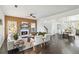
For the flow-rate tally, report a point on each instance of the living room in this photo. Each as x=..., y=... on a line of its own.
x=27, y=27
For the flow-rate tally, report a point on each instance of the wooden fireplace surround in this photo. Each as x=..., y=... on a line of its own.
x=18, y=20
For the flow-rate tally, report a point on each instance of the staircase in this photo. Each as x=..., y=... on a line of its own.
x=3, y=48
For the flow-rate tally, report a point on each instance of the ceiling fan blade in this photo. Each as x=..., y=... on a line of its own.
x=32, y=15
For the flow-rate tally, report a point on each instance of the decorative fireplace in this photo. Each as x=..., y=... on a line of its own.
x=24, y=33
x=24, y=29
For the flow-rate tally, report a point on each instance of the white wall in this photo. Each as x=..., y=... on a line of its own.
x=51, y=25
x=40, y=25
x=1, y=28
x=52, y=21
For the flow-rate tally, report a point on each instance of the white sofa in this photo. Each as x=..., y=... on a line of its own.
x=38, y=40
x=47, y=37
x=10, y=45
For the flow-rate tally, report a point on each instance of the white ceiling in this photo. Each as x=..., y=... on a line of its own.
x=37, y=10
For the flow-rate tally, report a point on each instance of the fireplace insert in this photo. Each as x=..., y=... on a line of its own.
x=24, y=32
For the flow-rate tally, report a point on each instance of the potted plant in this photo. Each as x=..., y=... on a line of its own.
x=15, y=36
x=42, y=33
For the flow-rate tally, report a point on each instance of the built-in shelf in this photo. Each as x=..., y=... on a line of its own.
x=22, y=24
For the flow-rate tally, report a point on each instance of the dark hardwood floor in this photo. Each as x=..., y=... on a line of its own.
x=57, y=45
x=48, y=48
x=51, y=47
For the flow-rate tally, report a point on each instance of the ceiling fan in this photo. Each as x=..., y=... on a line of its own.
x=15, y=6
x=32, y=15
